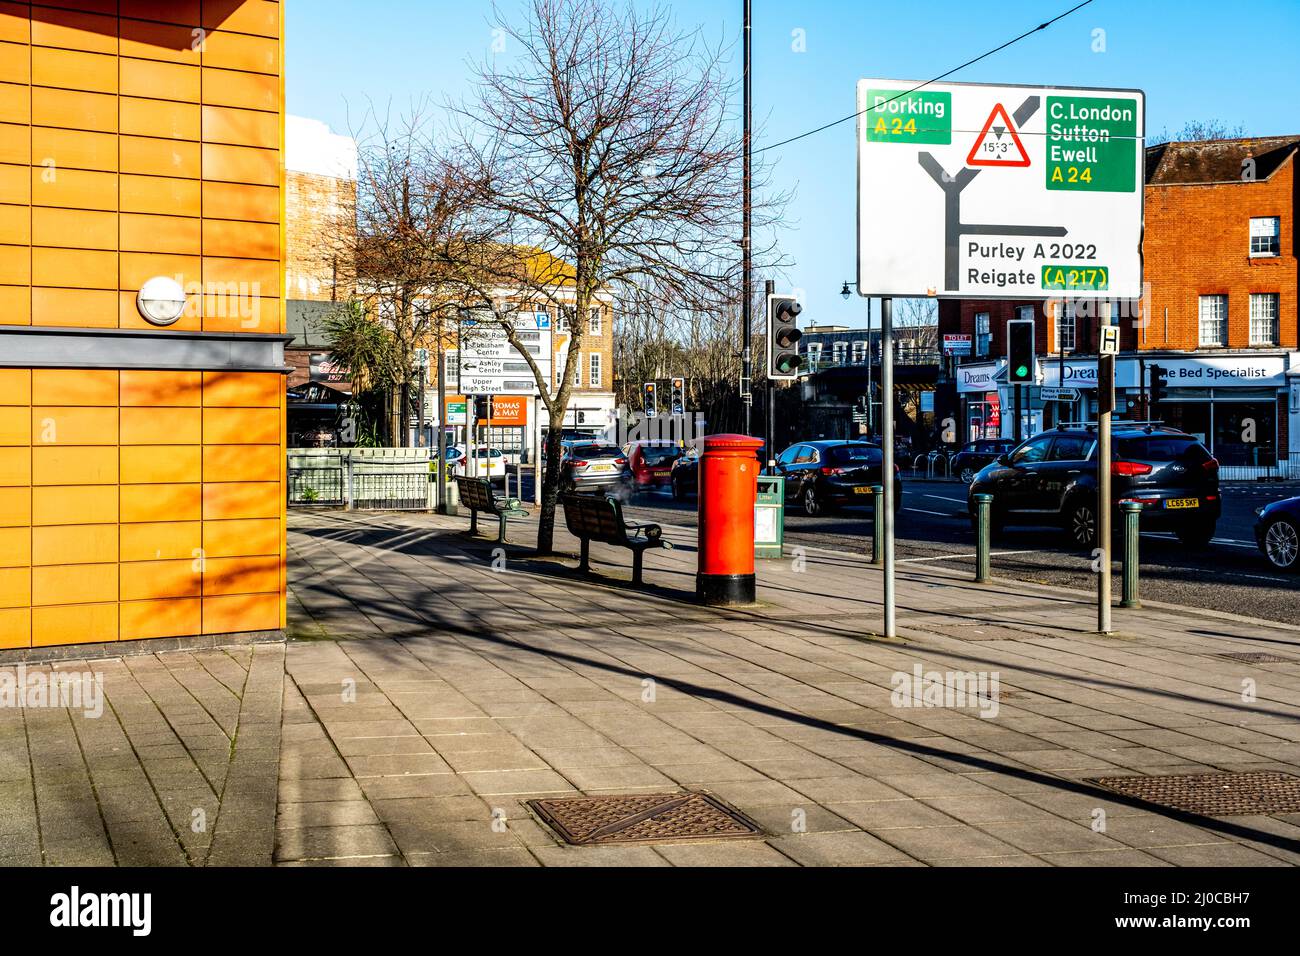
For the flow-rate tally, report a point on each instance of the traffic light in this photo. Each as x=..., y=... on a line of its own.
x=651, y=394
x=783, y=337
x=1159, y=384
x=1020, y=352
x=677, y=397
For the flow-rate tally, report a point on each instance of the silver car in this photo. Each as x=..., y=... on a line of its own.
x=591, y=466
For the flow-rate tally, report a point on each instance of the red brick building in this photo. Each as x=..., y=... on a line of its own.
x=1219, y=315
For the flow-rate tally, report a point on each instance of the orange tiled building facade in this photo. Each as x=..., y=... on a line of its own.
x=141, y=465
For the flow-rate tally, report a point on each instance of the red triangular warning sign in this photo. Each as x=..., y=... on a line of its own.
x=994, y=147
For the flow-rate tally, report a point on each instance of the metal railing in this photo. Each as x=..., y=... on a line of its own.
x=902, y=356
x=361, y=479
x=1285, y=468
x=936, y=463
x=316, y=487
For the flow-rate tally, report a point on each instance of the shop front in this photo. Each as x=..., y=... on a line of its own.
x=979, y=400
x=1236, y=405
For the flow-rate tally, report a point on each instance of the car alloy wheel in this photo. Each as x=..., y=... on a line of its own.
x=1083, y=524
x=967, y=475
x=1282, y=544
x=810, y=503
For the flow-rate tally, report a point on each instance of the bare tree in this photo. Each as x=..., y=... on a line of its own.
x=606, y=161
x=1197, y=131
x=404, y=214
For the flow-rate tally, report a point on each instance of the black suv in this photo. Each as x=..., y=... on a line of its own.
x=822, y=475
x=1052, y=479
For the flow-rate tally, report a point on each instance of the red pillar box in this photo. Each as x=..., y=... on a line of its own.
x=728, y=473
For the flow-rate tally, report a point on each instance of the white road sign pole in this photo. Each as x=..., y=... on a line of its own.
x=887, y=458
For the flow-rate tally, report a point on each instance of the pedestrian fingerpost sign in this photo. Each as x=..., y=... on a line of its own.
x=980, y=191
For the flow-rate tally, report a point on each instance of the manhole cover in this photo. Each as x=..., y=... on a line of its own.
x=1257, y=657
x=1214, y=794
x=643, y=818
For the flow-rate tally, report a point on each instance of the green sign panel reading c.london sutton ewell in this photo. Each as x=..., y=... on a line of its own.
x=1092, y=144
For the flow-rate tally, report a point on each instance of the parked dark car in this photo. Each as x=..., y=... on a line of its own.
x=1278, y=533
x=591, y=466
x=685, y=475
x=650, y=464
x=1052, y=479
x=971, y=459
x=823, y=475
x=686, y=472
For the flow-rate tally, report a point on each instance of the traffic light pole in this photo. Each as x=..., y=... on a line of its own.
x=747, y=264
x=769, y=289
x=887, y=449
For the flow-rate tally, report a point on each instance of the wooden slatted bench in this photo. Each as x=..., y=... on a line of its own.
x=477, y=495
x=591, y=518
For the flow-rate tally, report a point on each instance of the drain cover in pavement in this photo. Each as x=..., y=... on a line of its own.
x=1257, y=658
x=643, y=818
x=1214, y=794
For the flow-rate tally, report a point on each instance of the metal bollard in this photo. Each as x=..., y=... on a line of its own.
x=878, y=525
x=984, y=515
x=1132, y=514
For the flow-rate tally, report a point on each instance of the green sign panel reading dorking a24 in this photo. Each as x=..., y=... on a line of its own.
x=921, y=117
x=1092, y=144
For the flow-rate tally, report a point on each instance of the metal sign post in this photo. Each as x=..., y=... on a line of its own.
x=887, y=447
x=441, y=468
x=1108, y=347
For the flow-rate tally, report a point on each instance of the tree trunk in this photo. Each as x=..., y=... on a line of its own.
x=550, y=489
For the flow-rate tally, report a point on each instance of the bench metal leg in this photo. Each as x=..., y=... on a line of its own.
x=636, y=566
x=473, y=522
x=501, y=531
x=585, y=564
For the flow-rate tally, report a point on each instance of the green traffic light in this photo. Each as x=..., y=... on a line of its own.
x=1022, y=372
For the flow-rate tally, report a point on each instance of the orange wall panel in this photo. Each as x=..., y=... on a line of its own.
x=240, y=612
x=241, y=500
x=161, y=541
x=15, y=426
x=142, y=620
x=138, y=504
x=162, y=465
x=78, y=624
x=74, y=544
x=151, y=504
x=151, y=580
x=161, y=426
x=15, y=628
x=69, y=505
x=15, y=548
x=232, y=539
x=74, y=426
x=15, y=507
x=159, y=389
x=74, y=387
x=89, y=466
x=68, y=308
x=74, y=228
x=177, y=235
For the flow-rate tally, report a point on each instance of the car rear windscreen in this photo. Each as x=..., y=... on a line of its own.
x=1163, y=448
x=595, y=451
x=661, y=456
x=854, y=455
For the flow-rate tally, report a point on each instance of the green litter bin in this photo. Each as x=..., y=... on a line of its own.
x=769, y=517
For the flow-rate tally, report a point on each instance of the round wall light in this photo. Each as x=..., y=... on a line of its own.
x=161, y=301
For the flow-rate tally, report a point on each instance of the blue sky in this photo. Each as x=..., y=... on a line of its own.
x=1196, y=60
